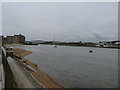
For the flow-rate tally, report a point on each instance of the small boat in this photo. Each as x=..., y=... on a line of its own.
x=90, y=51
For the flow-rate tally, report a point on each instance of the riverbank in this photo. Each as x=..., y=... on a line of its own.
x=40, y=76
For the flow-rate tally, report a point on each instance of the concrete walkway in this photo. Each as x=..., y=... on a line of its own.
x=21, y=71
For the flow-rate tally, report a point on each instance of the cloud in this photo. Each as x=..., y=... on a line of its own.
x=0, y=18
x=69, y=21
x=99, y=36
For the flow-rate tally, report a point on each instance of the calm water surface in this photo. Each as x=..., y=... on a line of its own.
x=75, y=67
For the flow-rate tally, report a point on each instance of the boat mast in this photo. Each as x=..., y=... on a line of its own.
x=54, y=39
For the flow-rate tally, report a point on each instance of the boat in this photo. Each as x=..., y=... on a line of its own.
x=55, y=46
x=90, y=51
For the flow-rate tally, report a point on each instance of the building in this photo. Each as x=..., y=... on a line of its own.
x=17, y=39
x=9, y=39
x=2, y=39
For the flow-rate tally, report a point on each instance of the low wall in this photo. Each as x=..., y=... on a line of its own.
x=19, y=77
x=14, y=77
x=9, y=79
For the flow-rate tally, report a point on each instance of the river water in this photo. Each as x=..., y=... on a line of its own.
x=75, y=67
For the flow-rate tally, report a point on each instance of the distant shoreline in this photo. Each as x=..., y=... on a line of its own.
x=42, y=77
x=76, y=46
x=65, y=45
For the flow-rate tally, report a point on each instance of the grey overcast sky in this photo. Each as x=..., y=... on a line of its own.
x=86, y=21
x=0, y=18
